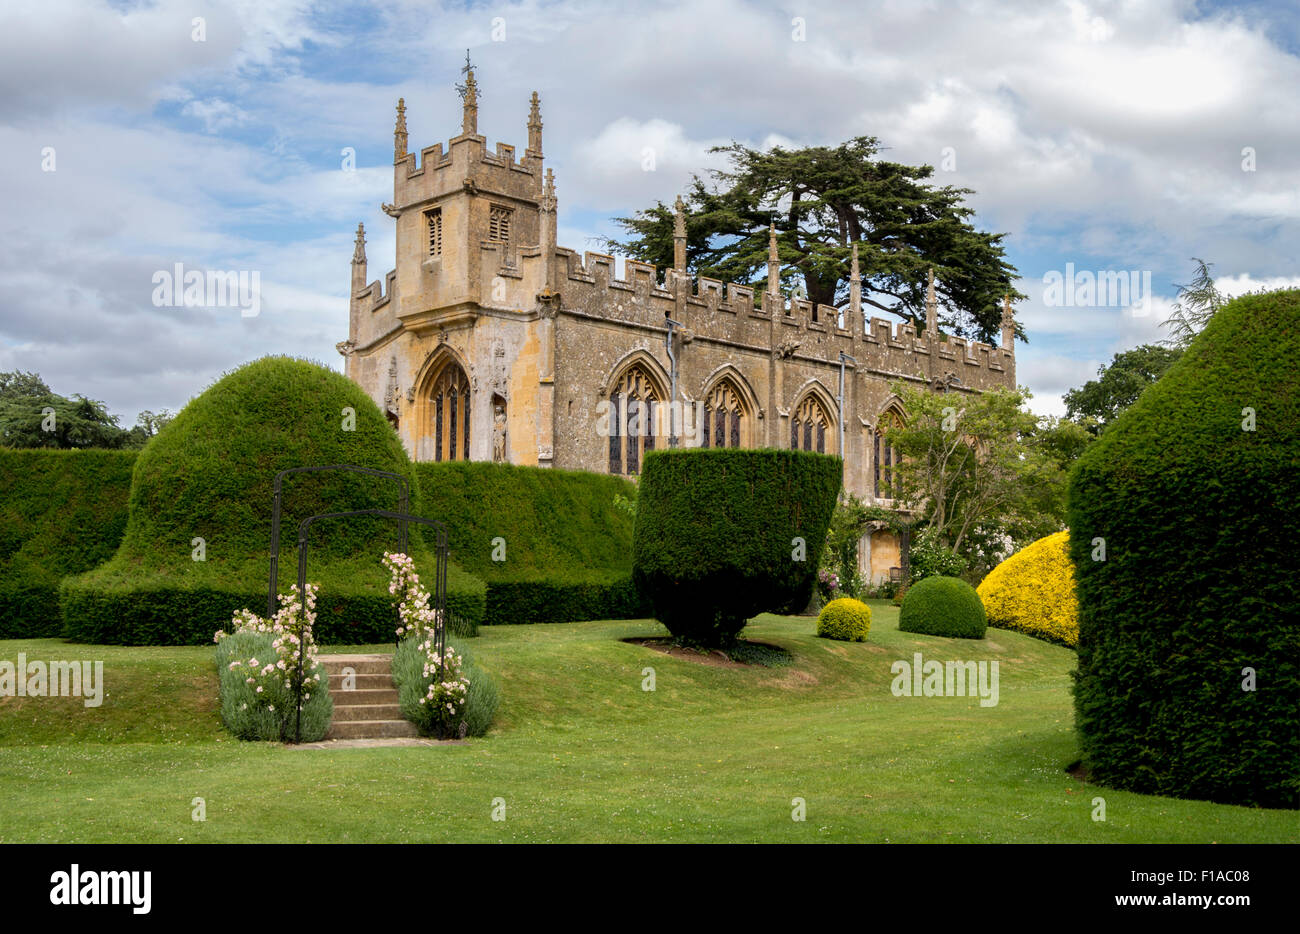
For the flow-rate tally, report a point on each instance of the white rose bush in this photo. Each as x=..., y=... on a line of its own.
x=258, y=664
x=443, y=693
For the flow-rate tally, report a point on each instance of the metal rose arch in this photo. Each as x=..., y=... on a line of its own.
x=403, y=504
x=403, y=518
x=438, y=597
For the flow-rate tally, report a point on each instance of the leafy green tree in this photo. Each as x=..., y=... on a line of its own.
x=1064, y=440
x=19, y=385
x=1096, y=403
x=1196, y=304
x=974, y=461
x=147, y=424
x=56, y=422
x=822, y=200
x=34, y=416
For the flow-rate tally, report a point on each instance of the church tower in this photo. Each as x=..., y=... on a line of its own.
x=452, y=203
x=451, y=341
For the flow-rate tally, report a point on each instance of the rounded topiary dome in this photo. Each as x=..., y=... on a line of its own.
x=943, y=606
x=210, y=472
x=198, y=534
x=845, y=619
x=1184, y=521
x=1033, y=591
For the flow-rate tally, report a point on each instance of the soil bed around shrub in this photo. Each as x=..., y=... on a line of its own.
x=720, y=658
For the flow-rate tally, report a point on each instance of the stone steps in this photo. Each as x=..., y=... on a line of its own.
x=362, y=682
x=371, y=729
x=370, y=710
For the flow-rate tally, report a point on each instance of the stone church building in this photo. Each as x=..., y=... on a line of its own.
x=490, y=341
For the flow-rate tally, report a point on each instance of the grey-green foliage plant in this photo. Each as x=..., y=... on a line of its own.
x=412, y=685
x=245, y=713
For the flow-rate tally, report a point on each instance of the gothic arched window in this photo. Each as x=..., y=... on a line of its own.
x=811, y=427
x=634, y=402
x=885, y=457
x=726, y=420
x=449, y=413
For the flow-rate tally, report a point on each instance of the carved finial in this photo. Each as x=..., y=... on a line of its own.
x=855, y=287
x=773, y=261
x=679, y=235
x=931, y=305
x=1008, y=325
x=535, y=125
x=359, y=252
x=548, y=192
x=399, y=132
x=469, y=96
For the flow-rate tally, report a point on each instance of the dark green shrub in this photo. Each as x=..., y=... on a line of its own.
x=943, y=606
x=566, y=537
x=845, y=619
x=209, y=474
x=61, y=512
x=722, y=535
x=1194, y=493
x=412, y=685
x=241, y=709
x=115, y=606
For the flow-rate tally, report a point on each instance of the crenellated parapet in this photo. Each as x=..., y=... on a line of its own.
x=728, y=313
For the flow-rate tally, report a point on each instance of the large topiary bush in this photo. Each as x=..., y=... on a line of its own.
x=202, y=488
x=553, y=546
x=1033, y=592
x=1184, y=521
x=943, y=606
x=61, y=513
x=725, y=534
x=845, y=619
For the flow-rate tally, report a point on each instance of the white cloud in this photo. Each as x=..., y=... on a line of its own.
x=1104, y=133
x=215, y=114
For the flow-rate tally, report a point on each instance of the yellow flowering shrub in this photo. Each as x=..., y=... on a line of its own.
x=1033, y=592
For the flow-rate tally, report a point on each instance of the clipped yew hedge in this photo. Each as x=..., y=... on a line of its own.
x=1198, y=512
x=61, y=512
x=716, y=535
x=567, y=546
x=209, y=474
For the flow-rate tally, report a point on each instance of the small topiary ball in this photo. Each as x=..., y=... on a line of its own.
x=845, y=619
x=943, y=606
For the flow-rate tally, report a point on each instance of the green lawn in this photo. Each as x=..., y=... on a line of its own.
x=581, y=753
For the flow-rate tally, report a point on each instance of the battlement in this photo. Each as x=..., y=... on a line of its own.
x=436, y=158
x=379, y=292
x=713, y=310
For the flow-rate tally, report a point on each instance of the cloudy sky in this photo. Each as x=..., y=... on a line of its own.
x=135, y=135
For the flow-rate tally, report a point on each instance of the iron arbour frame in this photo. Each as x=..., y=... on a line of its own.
x=403, y=505
x=438, y=597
